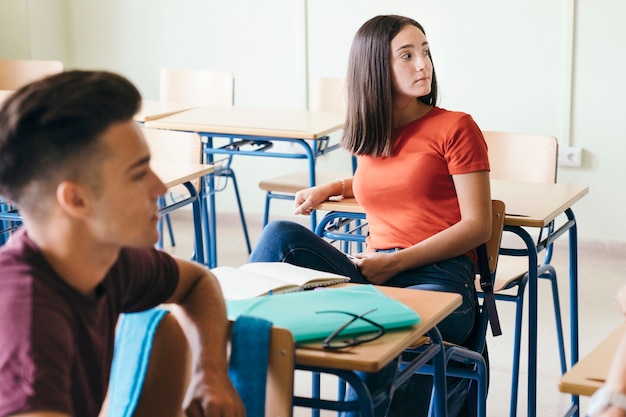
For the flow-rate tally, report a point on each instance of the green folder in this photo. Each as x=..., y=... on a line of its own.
x=297, y=312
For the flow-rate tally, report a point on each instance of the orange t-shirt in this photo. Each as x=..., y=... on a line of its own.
x=410, y=196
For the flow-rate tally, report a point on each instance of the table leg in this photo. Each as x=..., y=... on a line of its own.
x=208, y=207
x=364, y=403
x=531, y=252
x=573, y=294
x=197, y=221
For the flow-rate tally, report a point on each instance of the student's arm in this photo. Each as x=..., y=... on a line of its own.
x=308, y=198
x=42, y=414
x=474, y=228
x=202, y=315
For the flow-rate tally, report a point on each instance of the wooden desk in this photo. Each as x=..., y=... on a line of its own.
x=432, y=308
x=590, y=373
x=177, y=174
x=156, y=109
x=295, y=126
x=530, y=205
x=241, y=121
x=184, y=174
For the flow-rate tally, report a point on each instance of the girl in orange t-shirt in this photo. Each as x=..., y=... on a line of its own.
x=423, y=181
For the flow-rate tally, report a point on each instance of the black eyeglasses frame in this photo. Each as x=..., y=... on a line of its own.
x=331, y=343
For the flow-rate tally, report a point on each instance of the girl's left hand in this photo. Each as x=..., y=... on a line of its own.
x=376, y=267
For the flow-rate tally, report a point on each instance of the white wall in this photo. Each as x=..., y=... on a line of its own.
x=33, y=29
x=507, y=63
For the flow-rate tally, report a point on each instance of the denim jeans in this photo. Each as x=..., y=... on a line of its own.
x=285, y=241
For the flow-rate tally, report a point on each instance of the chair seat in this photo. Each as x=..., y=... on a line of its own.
x=510, y=270
x=296, y=181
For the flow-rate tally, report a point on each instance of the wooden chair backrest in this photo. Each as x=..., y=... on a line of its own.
x=522, y=157
x=280, y=373
x=197, y=86
x=329, y=95
x=15, y=73
x=174, y=146
x=497, y=226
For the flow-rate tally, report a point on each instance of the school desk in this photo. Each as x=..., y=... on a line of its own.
x=591, y=371
x=265, y=126
x=529, y=205
x=431, y=306
x=173, y=174
x=155, y=109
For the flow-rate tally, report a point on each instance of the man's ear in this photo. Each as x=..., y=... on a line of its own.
x=74, y=198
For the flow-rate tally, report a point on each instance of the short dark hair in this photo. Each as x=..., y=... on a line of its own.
x=369, y=86
x=49, y=128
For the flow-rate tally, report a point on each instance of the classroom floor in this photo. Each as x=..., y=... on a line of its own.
x=601, y=272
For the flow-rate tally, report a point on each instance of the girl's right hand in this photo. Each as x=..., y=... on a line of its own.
x=308, y=198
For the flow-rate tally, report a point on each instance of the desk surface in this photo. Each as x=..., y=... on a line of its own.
x=178, y=173
x=431, y=306
x=527, y=203
x=299, y=124
x=535, y=204
x=155, y=109
x=591, y=371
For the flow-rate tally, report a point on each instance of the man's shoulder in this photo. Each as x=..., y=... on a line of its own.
x=139, y=255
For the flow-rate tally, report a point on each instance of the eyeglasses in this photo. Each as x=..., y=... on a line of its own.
x=335, y=341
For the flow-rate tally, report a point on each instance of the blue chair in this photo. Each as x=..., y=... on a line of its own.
x=470, y=362
x=328, y=95
x=533, y=158
x=202, y=87
x=10, y=220
x=261, y=364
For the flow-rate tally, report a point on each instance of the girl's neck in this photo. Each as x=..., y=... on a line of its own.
x=412, y=110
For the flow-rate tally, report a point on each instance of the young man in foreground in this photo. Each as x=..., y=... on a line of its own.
x=77, y=166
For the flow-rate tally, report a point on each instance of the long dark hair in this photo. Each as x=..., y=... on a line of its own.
x=369, y=87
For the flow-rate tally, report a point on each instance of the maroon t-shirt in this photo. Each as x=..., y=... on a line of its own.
x=56, y=345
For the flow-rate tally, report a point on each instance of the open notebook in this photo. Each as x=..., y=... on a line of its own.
x=263, y=278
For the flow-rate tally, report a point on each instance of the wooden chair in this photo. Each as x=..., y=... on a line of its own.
x=524, y=157
x=173, y=146
x=13, y=75
x=17, y=73
x=197, y=86
x=279, y=394
x=206, y=88
x=327, y=96
x=456, y=356
x=280, y=371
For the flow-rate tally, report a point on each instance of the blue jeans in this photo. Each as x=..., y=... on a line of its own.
x=285, y=241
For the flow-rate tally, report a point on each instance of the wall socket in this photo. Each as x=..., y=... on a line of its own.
x=570, y=156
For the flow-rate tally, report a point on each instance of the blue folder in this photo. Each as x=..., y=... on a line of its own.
x=297, y=312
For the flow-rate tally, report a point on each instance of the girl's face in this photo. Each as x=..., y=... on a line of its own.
x=411, y=67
